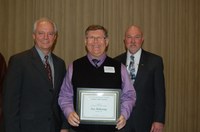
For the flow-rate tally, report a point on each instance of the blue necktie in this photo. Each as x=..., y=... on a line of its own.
x=132, y=68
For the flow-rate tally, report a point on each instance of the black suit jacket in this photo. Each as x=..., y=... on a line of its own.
x=150, y=91
x=30, y=101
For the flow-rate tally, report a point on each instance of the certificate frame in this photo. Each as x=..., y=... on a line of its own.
x=98, y=105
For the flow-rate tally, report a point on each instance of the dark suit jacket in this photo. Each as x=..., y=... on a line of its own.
x=2, y=75
x=150, y=91
x=30, y=101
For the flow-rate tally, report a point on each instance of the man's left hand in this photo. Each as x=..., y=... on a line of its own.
x=121, y=122
x=64, y=130
x=157, y=127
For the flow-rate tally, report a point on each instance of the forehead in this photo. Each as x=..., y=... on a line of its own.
x=133, y=31
x=95, y=32
x=44, y=25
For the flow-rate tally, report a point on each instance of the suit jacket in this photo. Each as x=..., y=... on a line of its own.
x=2, y=75
x=150, y=90
x=30, y=100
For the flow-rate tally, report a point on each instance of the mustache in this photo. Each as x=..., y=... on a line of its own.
x=132, y=44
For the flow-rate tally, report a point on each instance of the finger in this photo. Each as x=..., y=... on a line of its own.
x=120, y=124
x=73, y=119
x=76, y=118
x=73, y=122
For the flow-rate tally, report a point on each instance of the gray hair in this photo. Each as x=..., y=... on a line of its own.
x=45, y=20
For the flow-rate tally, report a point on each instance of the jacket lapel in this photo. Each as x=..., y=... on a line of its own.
x=56, y=71
x=38, y=64
x=141, y=68
x=124, y=56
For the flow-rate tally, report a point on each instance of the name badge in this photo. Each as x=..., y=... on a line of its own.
x=109, y=69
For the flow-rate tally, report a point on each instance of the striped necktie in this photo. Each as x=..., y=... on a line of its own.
x=132, y=68
x=95, y=61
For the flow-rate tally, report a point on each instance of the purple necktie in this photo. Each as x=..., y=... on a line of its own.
x=95, y=61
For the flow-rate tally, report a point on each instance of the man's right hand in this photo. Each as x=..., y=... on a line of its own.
x=73, y=119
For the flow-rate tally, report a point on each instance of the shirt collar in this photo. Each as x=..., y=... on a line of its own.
x=136, y=56
x=100, y=58
x=41, y=54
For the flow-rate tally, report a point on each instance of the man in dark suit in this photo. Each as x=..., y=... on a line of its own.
x=32, y=85
x=2, y=75
x=147, y=76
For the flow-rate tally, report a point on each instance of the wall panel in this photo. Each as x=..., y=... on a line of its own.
x=171, y=29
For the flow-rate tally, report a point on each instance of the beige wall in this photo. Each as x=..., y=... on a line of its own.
x=171, y=29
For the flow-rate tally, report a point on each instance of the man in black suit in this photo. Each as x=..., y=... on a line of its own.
x=32, y=85
x=148, y=115
x=2, y=75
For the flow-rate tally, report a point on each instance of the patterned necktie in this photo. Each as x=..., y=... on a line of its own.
x=48, y=68
x=95, y=61
x=132, y=68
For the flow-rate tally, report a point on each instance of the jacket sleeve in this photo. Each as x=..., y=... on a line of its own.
x=11, y=95
x=160, y=99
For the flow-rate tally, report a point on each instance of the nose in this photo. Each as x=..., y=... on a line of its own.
x=96, y=39
x=46, y=36
x=132, y=39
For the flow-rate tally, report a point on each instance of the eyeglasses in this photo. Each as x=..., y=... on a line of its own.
x=92, y=38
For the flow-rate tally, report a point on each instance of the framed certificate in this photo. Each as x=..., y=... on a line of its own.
x=98, y=106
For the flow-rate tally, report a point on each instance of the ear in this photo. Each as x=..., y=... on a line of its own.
x=85, y=41
x=107, y=41
x=142, y=39
x=33, y=35
x=55, y=37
